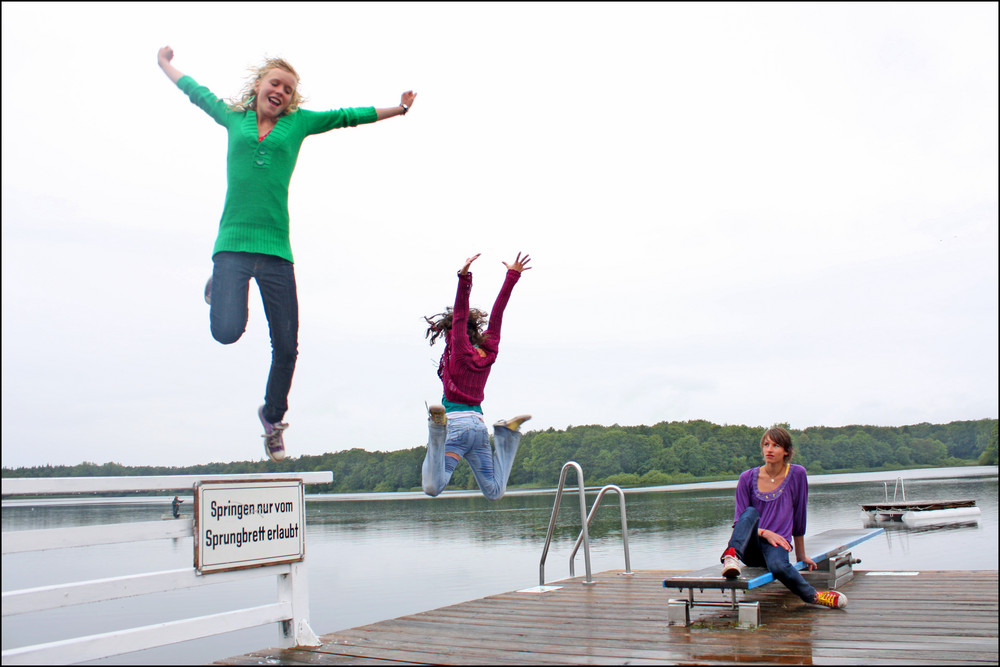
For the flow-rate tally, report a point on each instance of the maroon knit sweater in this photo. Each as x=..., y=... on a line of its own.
x=463, y=371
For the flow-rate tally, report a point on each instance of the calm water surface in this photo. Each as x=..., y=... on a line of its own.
x=378, y=556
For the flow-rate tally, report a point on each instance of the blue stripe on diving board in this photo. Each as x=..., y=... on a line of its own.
x=858, y=538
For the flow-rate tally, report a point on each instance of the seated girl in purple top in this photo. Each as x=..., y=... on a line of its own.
x=770, y=516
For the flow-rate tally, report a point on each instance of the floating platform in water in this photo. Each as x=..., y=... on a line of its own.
x=916, y=513
x=920, y=512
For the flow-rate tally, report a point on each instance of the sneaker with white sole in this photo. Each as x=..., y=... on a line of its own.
x=514, y=423
x=831, y=599
x=436, y=413
x=274, y=442
x=730, y=567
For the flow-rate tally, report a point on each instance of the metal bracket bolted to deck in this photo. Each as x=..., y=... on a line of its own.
x=678, y=612
x=749, y=614
x=834, y=572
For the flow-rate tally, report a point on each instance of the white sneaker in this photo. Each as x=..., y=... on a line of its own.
x=730, y=567
x=274, y=443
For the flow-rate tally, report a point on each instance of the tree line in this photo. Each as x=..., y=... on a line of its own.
x=665, y=453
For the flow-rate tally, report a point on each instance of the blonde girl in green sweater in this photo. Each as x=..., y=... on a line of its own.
x=266, y=128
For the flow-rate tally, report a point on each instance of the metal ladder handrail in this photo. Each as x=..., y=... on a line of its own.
x=583, y=520
x=590, y=517
x=897, y=487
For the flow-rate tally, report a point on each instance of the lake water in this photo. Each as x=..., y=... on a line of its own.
x=377, y=556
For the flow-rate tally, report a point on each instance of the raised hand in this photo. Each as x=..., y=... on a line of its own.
x=163, y=58
x=519, y=264
x=405, y=102
x=468, y=263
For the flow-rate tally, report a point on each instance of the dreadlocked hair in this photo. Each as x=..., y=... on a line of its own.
x=440, y=324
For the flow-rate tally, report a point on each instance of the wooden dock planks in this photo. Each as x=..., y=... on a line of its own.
x=940, y=618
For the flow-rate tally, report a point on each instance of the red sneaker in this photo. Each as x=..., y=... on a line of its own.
x=831, y=599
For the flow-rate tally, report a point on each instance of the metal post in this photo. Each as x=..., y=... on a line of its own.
x=590, y=518
x=584, y=531
x=552, y=521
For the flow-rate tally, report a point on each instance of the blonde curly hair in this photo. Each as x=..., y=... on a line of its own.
x=248, y=96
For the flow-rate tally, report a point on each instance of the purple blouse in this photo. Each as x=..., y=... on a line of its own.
x=782, y=510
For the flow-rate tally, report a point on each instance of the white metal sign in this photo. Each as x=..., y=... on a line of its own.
x=248, y=524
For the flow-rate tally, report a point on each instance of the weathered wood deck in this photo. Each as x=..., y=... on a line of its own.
x=932, y=618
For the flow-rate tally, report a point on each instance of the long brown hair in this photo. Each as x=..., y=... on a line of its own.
x=441, y=323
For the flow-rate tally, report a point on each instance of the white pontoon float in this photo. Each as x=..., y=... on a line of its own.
x=920, y=512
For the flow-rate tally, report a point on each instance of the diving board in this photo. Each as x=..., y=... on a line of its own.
x=830, y=550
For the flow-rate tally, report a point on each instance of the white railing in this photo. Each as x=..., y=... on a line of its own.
x=291, y=611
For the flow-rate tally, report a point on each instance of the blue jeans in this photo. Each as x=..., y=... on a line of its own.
x=756, y=552
x=275, y=278
x=466, y=435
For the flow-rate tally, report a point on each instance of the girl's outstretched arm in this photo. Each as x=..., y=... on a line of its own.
x=459, y=338
x=405, y=102
x=163, y=57
x=514, y=271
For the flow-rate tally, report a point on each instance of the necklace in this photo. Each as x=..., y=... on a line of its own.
x=779, y=474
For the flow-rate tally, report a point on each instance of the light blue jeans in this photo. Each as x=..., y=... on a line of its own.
x=466, y=435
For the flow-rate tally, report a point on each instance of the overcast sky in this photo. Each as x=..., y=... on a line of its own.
x=744, y=213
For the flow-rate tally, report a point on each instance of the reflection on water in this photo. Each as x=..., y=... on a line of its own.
x=371, y=560
x=899, y=526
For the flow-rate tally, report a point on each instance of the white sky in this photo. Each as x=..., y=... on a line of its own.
x=745, y=213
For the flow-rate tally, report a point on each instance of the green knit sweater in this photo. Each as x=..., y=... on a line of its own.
x=255, y=215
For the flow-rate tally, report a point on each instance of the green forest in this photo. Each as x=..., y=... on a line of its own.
x=665, y=453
